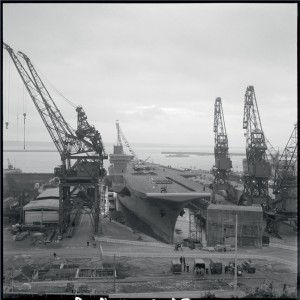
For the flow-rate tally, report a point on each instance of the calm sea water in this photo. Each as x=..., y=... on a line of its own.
x=45, y=162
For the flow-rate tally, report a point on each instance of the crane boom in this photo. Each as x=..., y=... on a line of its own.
x=54, y=122
x=287, y=165
x=273, y=155
x=85, y=139
x=271, y=150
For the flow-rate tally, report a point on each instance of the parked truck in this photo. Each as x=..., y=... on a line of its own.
x=249, y=267
x=176, y=266
x=215, y=267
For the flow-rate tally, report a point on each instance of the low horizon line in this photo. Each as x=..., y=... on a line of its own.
x=114, y=143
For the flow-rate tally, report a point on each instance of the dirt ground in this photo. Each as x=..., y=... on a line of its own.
x=154, y=274
x=139, y=268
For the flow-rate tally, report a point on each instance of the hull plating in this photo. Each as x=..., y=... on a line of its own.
x=151, y=217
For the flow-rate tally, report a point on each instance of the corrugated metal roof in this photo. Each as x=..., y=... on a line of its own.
x=49, y=193
x=235, y=207
x=49, y=204
x=53, y=193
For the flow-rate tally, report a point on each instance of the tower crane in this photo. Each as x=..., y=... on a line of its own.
x=223, y=164
x=257, y=169
x=121, y=137
x=81, y=151
x=284, y=206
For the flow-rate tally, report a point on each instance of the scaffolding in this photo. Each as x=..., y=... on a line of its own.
x=195, y=229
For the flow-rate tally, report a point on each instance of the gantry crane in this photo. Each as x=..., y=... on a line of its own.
x=223, y=164
x=257, y=169
x=284, y=206
x=121, y=137
x=81, y=151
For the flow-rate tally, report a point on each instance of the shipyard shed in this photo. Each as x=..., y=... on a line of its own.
x=45, y=211
x=220, y=225
x=53, y=193
x=49, y=194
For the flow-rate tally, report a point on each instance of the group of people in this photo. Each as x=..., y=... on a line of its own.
x=94, y=244
x=177, y=247
x=199, y=271
x=186, y=267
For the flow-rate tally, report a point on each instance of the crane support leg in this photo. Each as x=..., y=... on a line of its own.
x=97, y=208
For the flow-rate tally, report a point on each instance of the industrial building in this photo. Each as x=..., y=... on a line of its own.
x=218, y=224
x=40, y=212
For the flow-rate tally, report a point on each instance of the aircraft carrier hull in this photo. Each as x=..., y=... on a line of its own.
x=151, y=216
x=153, y=213
x=143, y=220
x=151, y=196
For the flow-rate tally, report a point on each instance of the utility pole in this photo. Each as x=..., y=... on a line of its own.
x=235, y=261
x=114, y=273
x=101, y=253
x=24, y=114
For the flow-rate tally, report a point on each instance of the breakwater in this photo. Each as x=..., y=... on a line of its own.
x=199, y=153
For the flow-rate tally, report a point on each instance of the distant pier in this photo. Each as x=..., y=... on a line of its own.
x=199, y=153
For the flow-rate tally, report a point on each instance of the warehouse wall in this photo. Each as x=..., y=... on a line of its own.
x=220, y=227
x=40, y=216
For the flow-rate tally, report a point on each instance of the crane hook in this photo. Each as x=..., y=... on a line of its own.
x=24, y=114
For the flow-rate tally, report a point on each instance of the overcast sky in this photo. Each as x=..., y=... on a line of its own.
x=157, y=68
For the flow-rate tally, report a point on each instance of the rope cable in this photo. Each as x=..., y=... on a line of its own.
x=23, y=99
x=8, y=90
x=26, y=100
x=57, y=91
x=5, y=90
x=24, y=114
x=18, y=100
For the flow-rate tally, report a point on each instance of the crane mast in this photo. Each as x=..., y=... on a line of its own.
x=257, y=169
x=223, y=164
x=121, y=137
